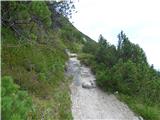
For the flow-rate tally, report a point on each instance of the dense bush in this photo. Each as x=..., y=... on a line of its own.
x=15, y=13
x=125, y=69
x=16, y=104
x=41, y=10
x=89, y=47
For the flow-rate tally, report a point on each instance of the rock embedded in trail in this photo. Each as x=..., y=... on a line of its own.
x=70, y=54
x=88, y=85
x=73, y=55
x=140, y=118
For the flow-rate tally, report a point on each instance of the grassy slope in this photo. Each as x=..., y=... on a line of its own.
x=147, y=111
x=37, y=65
x=39, y=69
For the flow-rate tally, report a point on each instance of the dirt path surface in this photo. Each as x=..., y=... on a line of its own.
x=93, y=104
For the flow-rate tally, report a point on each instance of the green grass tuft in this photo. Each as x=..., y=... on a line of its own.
x=147, y=111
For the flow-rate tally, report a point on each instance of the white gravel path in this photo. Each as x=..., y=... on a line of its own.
x=93, y=104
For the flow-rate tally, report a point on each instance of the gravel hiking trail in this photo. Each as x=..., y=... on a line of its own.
x=93, y=104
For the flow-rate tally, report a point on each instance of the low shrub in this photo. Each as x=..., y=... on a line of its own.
x=16, y=103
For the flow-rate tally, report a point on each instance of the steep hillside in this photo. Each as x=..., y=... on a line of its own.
x=34, y=39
